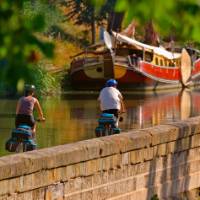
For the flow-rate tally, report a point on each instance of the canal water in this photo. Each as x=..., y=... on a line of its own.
x=70, y=119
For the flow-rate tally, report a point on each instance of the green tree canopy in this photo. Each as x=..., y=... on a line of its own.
x=18, y=43
x=84, y=12
x=178, y=17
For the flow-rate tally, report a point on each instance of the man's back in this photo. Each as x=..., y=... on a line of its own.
x=110, y=98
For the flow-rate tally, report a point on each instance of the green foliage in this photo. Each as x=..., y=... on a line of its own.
x=87, y=11
x=180, y=18
x=46, y=83
x=46, y=15
x=18, y=43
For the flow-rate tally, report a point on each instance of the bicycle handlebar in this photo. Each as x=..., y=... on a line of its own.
x=39, y=120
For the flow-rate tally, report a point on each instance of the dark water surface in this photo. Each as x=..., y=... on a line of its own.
x=74, y=119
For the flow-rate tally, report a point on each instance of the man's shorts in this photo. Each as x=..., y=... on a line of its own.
x=24, y=119
x=115, y=112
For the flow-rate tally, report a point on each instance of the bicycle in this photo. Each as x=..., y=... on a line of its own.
x=107, y=125
x=22, y=139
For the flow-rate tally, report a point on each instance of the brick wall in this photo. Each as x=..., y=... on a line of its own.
x=162, y=160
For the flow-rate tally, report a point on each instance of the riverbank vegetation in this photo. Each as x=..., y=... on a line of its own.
x=41, y=36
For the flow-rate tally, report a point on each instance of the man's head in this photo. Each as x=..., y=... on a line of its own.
x=111, y=83
x=29, y=90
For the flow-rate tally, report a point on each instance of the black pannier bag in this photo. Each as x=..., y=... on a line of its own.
x=22, y=134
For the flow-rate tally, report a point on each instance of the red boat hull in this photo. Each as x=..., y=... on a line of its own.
x=145, y=76
x=131, y=80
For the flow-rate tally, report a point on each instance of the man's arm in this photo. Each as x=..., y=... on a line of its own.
x=123, y=108
x=17, y=108
x=39, y=110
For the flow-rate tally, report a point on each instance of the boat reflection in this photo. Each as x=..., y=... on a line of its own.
x=161, y=109
x=81, y=115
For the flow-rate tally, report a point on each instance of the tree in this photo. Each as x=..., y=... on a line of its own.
x=84, y=12
x=19, y=43
x=181, y=16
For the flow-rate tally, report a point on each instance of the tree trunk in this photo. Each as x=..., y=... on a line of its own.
x=32, y=2
x=115, y=21
x=93, y=28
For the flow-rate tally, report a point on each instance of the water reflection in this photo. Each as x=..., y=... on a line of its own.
x=70, y=120
x=157, y=109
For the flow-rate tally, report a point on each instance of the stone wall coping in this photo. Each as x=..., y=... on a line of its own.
x=63, y=155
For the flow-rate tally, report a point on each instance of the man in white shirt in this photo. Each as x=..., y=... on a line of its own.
x=111, y=99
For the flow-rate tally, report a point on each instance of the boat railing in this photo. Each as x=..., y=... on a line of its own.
x=86, y=53
x=96, y=59
x=133, y=60
x=122, y=60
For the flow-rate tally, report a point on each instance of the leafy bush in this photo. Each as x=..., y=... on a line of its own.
x=52, y=16
x=46, y=83
x=18, y=41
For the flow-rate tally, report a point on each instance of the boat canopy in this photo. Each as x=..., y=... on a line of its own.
x=139, y=45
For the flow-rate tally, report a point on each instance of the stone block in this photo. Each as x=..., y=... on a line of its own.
x=194, y=123
x=8, y=186
x=91, y=167
x=148, y=153
x=96, y=194
x=171, y=146
x=133, y=140
x=194, y=166
x=102, y=192
x=37, y=180
x=12, y=166
x=141, y=155
x=192, y=181
x=195, y=141
x=106, y=163
x=108, y=146
x=13, y=196
x=95, y=148
x=73, y=185
x=87, y=195
x=54, y=157
x=70, y=171
x=137, y=156
x=55, y=192
x=87, y=182
x=96, y=179
x=126, y=158
x=184, y=129
x=163, y=134
x=162, y=149
x=183, y=144
x=38, y=194
x=73, y=197
x=179, y=145
x=116, y=161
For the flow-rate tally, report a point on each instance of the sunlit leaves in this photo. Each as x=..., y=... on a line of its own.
x=41, y=15
x=177, y=17
x=18, y=41
x=36, y=23
x=97, y=4
x=121, y=5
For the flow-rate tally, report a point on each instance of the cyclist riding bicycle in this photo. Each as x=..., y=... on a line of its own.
x=25, y=107
x=111, y=99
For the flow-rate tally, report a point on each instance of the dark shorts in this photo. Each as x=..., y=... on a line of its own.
x=115, y=112
x=24, y=119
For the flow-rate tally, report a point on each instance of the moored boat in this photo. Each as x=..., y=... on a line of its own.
x=135, y=65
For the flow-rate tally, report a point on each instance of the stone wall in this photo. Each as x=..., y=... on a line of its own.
x=162, y=160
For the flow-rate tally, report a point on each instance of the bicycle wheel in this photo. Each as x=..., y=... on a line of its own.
x=19, y=147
